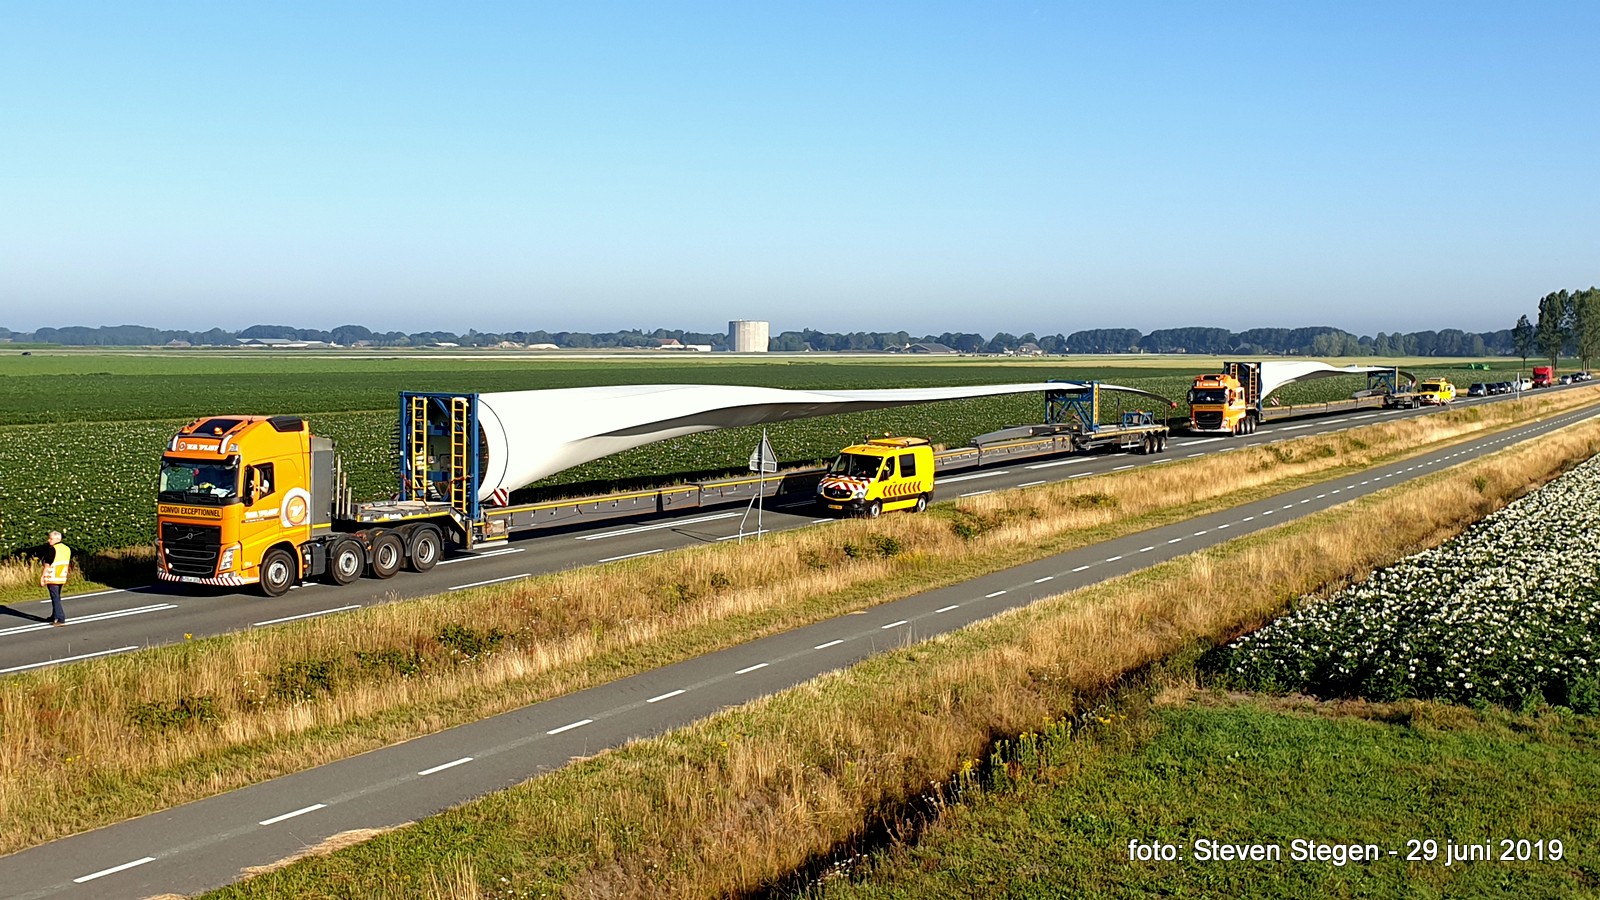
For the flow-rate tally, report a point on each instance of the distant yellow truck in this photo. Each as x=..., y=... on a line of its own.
x=885, y=473
x=1435, y=392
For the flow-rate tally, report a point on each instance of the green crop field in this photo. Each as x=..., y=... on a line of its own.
x=81, y=431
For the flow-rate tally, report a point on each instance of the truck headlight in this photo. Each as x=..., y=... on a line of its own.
x=226, y=561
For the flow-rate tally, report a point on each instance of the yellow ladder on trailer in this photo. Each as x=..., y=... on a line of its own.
x=458, y=454
x=417, y=449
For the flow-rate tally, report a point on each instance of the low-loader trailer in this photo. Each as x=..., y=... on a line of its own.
x=260, y=500
x=1232, y=402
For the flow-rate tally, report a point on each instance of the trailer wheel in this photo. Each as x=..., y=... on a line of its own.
x=922, y=503
x=345, y=559
x=872, y=510
x=1163, y=447
x=278, y=572
x=387, y=555
x=425, y=549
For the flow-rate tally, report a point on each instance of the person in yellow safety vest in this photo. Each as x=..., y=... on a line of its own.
x=57, y=562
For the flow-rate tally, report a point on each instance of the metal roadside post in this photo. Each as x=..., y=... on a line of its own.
x=764, y=462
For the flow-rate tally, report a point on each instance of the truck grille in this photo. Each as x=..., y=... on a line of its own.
x=1208, y=419
x=191, y=549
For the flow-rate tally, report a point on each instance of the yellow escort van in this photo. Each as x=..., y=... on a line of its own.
x=882, y=474
x=1435, y=392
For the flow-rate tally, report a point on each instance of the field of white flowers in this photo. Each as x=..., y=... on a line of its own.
x=1506, y=613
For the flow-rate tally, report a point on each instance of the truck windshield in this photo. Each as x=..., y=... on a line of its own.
x=1208, y=395
x=855, y=465
x=1431, y=386
x=190, y=481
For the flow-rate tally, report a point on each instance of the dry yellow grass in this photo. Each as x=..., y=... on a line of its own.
x=739, y=800
x=70, y=725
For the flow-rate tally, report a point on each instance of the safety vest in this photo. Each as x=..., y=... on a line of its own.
x=55, y=571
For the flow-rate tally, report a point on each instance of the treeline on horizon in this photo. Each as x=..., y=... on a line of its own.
x=1313, y=341
x=1568, y=322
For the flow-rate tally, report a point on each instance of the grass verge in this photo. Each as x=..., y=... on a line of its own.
x=733, y=804
x=172, y=724
x=1252, y=771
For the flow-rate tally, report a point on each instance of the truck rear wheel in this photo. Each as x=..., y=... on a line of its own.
x=345, y=559
x=387, y=555
x=922, y=503
x=278, y=572
x=425, y=550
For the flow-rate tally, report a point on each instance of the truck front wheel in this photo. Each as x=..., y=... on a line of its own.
x=872, y=510
x=278, y=572
x=425, y=550
x=387, y=555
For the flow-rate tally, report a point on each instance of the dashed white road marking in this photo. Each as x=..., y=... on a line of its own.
x=828, y=644
x=667, y=696
x=1031, y=484
x=1120, y=468
x=1201, y=441
x=1059, y=462
x=1200, y=532
x=976, y=493
x=578, y=724
x=1112, y=558
x=892, y=625
x=657, y=526
x=1082, y=475
x=1145, y=549
x=504, y=551
x=449, y=765
x=971, y=477
x=289, y=815
x=1174, y=540
x=991, y=595
x=309, y=615
x=1080, y=568
x=748, y=669
x=948, y=608
x=113, y=870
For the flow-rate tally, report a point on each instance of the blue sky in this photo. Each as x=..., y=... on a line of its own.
x=853, y=166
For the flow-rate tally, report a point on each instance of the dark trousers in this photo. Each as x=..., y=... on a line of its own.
x=58, y=613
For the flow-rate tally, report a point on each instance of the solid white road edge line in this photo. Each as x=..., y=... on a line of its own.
x=659, y=525
x=306, y=615
x=64, y=659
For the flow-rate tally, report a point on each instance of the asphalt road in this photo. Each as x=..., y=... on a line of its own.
x=120, y=621
x=207, y=843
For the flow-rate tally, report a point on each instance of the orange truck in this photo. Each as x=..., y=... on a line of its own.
x=1220, y=404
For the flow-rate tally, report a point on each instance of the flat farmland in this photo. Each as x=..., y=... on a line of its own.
x=81, y=432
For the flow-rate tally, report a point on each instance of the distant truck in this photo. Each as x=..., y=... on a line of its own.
x=1544, y=376
x=1231, y=401
x=880, y=475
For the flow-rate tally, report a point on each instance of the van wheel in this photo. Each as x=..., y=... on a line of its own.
x=425, y=550
x=387, y=555
x=345, y=561
x=278, y=572
x=922, y=503
x=873, y=510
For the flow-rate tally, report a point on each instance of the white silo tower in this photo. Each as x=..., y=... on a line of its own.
x=748, y=335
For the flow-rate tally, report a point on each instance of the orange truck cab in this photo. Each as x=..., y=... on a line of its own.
x=233, y=489
x=1218, y=405
x=882, y=474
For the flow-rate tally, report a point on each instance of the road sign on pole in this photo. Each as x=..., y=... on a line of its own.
x=762, y=459
x=764, y=462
